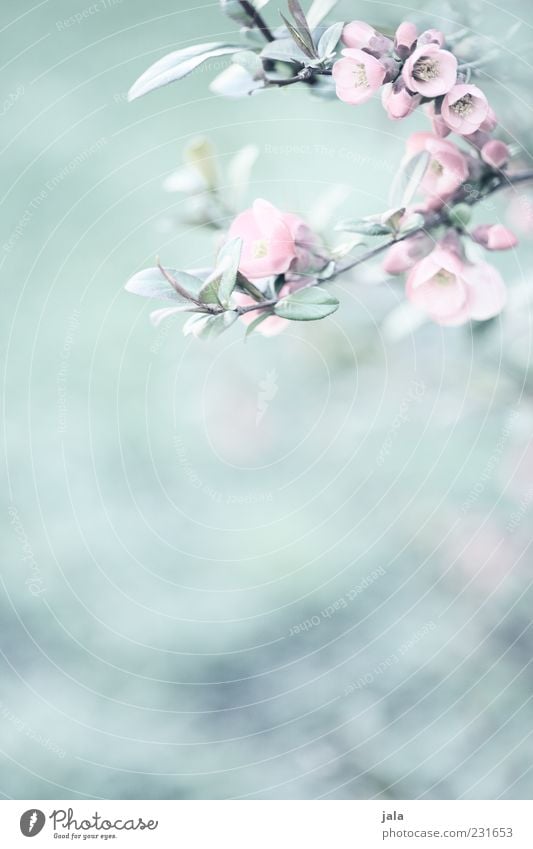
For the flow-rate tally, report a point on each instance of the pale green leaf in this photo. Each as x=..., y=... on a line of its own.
x=284, y=50
x=329, y=40
x=177, y=65
x=151, y=283
x=364, y=227
x=157, y=316
x=308, y=304
x=319, y=10
x=235, y=81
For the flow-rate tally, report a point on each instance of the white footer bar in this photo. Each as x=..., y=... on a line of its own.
x=268, y=824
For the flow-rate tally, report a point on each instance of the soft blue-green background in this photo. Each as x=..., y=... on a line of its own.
x=160, y=542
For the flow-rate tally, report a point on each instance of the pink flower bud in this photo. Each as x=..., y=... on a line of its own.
x=357, y=34
x=397, y=101
x=495, y=237
x=405, y=38
x=495, y=153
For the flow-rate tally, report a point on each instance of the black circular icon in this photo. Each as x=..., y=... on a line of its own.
x=32, y=822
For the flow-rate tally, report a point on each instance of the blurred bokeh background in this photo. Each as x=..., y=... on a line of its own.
x=289, y=568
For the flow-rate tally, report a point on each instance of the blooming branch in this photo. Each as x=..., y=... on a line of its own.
x=272, y=268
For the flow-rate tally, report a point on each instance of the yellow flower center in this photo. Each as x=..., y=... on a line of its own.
x=444, y=278
x=361, y=79
x=260, y=248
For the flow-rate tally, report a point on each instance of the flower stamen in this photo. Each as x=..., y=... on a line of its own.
x=260, y=248
x=463, y=106
x=361, y=79
x=426, y=69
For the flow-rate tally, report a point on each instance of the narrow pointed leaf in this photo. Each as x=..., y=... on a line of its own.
x=157, y=316
x=300, y=39
x=329, y=39
x=150, y=283
x=319, y=10
x=177, y=65
x=256, y=322
x=364, y=227
x=299, y=16
x=284, y=50
x=228, y=262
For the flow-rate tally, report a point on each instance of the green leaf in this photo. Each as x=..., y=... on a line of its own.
x=216, y=325
x=251, y=62
x=157, y=316
x=284, y=50
x=304, y=43
x=208, y=294
x=228, y=261
x=329, y=40
x=413, y=222
x=195, y=325
x=151, y=283
x=308, y=304
x=364, y=227
x=177, y=65
x=301, y=21
x=249, y=287
x=235, y=81
x=256, y=322
x=319, y=10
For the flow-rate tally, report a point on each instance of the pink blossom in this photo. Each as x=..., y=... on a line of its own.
x=495, y=237
x=403, y=255
x=430, y=71
x=268, y=239
x=495, y=153
x=447, y=168
x=452, y=292
x=357, y=76
x=405, y=38
x=397, y=101
x=464, y=109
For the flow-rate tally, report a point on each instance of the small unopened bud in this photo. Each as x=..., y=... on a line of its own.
x=495, y=153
